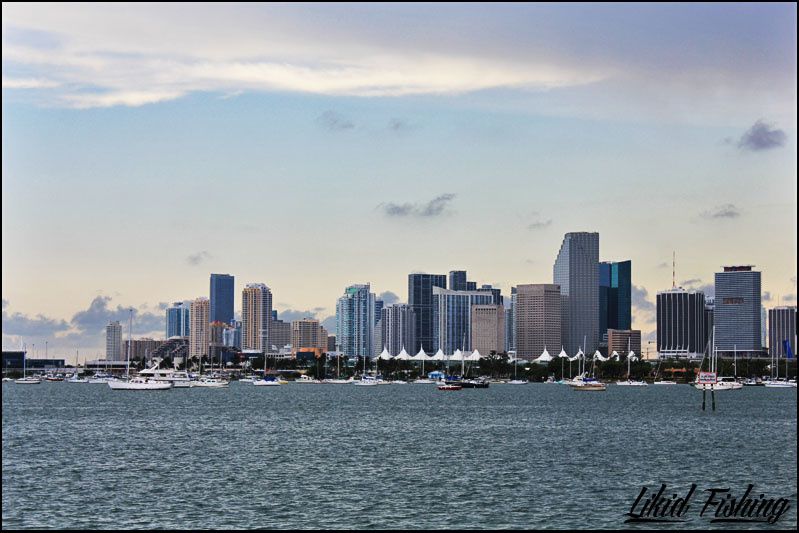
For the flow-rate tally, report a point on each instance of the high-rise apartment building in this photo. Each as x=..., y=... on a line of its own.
x=279, y=334
x=737, y=314
x=307, y=333
x=355, y=321
x=113, y=342
x=221, y=298
x=538, y=315
x=397, y=328
x=178, y=319
x=199, y=337
x=256, y=315
x=576, y=271
x=420, y=298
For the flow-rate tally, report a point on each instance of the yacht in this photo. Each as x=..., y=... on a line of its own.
x=478, y=383
x=780, y=384
x=139, y=383
x=101, y=378
x=267, y=381
x=211, y=383
x=722, y=383
x=339, y=381
x=306, y=379
x=366, y=381
x=519, y=382
x=664, y=382
x=584, y=383
x=75, y=378
x=424, y=381
x=630, y=382
x=30, y=380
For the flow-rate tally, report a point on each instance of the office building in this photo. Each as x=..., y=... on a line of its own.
x=256, y=315
x=221, y=298
x=737, y=313
x=457, y=280
x=420, y=298
x=538, y=319
x=681, y=320
x=452, y=318
x=615, y=297
x=782, y=331
x=576, y=271
x=621, y=341
x=307, y=334
x=488, y=328
x=231, y=337
x=279, y=334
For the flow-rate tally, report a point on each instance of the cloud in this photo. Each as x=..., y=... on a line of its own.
x=329, y=324
x=199, y=257
x=17, y=324
x=289, y=315
x=334, y=122
x=709, y=289
x=541, y=224
x=692, y=281
x=766, y=297
x=789, y=298
x=641, y=304
x=762, y=136
x=29, y=83
x=722, y=211
x=663, y=265
x=398, y=125
x=92, y=321
x=435, y=207
x=388, y=297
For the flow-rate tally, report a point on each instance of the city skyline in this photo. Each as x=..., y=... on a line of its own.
x=149, y=184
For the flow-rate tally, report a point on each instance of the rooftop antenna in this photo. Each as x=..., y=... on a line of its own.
x=673, y=269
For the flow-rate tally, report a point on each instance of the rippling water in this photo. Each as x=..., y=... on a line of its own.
x=327, y=456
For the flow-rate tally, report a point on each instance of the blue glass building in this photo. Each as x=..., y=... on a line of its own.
x=615, y=297
x=452, y=318
x=178, y=320
x=221, y=298
x=420, y=297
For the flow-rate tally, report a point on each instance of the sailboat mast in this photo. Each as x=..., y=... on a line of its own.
x=130, y=341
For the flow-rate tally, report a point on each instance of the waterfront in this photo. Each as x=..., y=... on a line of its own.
x=534, y=456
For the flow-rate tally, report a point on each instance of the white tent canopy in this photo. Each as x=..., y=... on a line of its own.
x=421, y=356
x=599, y=357
x=544, y=357
x=457, y=356
x=615, y=354
x=631, y=356
x=475, y=356
x=384, y=355
x=403, y=355
x=439, y=356
x=563, y=354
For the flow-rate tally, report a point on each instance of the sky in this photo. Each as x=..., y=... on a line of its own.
x=311, y=147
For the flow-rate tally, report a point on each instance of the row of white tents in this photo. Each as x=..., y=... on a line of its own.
x=476, y=356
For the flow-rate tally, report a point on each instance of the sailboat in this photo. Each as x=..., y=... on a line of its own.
x=777, y=383
x=722, y=383
x=629, y=382
x=25, y=380
x=137, y=383
x=368, y=381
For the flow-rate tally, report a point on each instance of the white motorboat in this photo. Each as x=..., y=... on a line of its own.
x=30, y=380
x=723, y=383
x=631, y=383
x=422, y=381
x=518, y=382
x=664, y=382
x=211, y=383
x=780, y=384
x=76, y=379
x=307, y=380
x=139, y=384
x=266, y=382
x=338, y=381
x=367, y=381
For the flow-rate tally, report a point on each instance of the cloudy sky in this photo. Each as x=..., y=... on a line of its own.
x=311, y=147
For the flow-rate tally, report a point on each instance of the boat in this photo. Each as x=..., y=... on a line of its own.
x=25, y=380
x=267, y=381
x=450, y=386
x=306, y=379
x=75, y=378
x=366, y=381
x=137, y=383
x=338, y=381
x=591, y=386
x=722, y=383
x=585, y=383
x=515, y=380
x=780, y=384
x=54, y=377
x=519, y=382
x=211, y=383
x=178, y=378
x=630, y=382
x=101, y=377
x=424, y=381
x=478, y=383
x=664, y=382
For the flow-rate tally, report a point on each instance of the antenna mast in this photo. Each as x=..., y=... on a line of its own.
x=673, y=269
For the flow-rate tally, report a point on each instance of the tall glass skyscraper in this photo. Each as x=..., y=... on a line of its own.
x=452, y=317
x=615, y=297
x=420, y=297
x=457, y=280
x=681, y=323
x=576, y=270
x=178, y=319
x=355, y=321
x=737, y=314
x=221, y=298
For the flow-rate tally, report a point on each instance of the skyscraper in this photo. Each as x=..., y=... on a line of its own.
x=457, y=280
x=355, y=321
x=681, y=322
x=307, y=333
x=576, y=270
x=221, y=298
x=420, y=297
x=452, y=318
x=538, y=316
x=488, y=328
x=256, y=315
x=782, y=330
x=615, y=297
x=113, y=342
x=737, y=313
x=178, y=320
x=199, y=337
x=397, y=328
